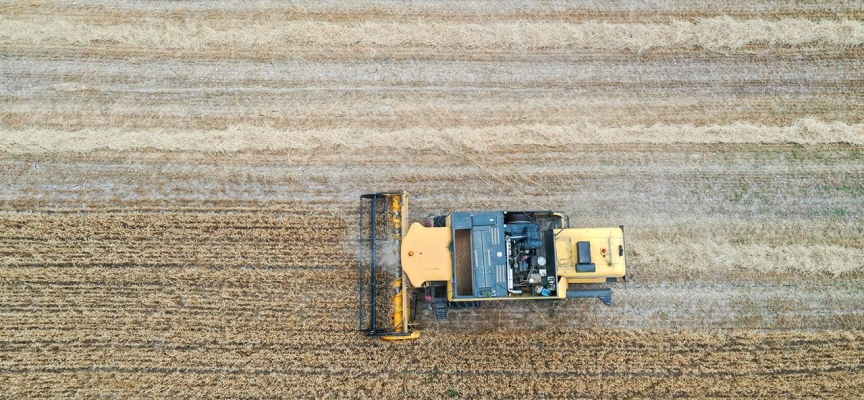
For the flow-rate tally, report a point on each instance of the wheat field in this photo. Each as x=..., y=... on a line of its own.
x=179, y=184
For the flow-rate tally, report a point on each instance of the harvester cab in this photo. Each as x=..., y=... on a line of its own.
x=467, y=258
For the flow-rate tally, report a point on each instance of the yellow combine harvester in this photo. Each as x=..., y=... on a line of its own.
x=466, y=258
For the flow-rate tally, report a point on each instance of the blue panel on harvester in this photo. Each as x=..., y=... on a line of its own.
x=460, y=220
x=487, y=218
x=489, y=258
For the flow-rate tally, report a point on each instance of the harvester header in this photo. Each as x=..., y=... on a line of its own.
x=383, y=223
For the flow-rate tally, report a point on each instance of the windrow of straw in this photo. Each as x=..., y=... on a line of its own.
x=250, y=138
x=716, y=34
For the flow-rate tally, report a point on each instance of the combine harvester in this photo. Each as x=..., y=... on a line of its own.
x=466, y=258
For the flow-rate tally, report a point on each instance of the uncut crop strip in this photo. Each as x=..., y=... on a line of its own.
x=86, y=276
x=646, y=353
x=168, y=239
x=658, y=363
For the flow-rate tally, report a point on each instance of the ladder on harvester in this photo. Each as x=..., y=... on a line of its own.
x=440, y=310
x=383, y=222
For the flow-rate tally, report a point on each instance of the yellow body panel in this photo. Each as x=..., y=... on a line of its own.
x=586, y=280
x=401, y=311
x=409, y=336
x=426, y=254
x=401, y=301
x=609, y=264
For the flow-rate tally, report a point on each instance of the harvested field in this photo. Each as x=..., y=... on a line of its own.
x=180, y=183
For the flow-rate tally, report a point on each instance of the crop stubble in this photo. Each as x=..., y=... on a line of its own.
x=177, y=211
